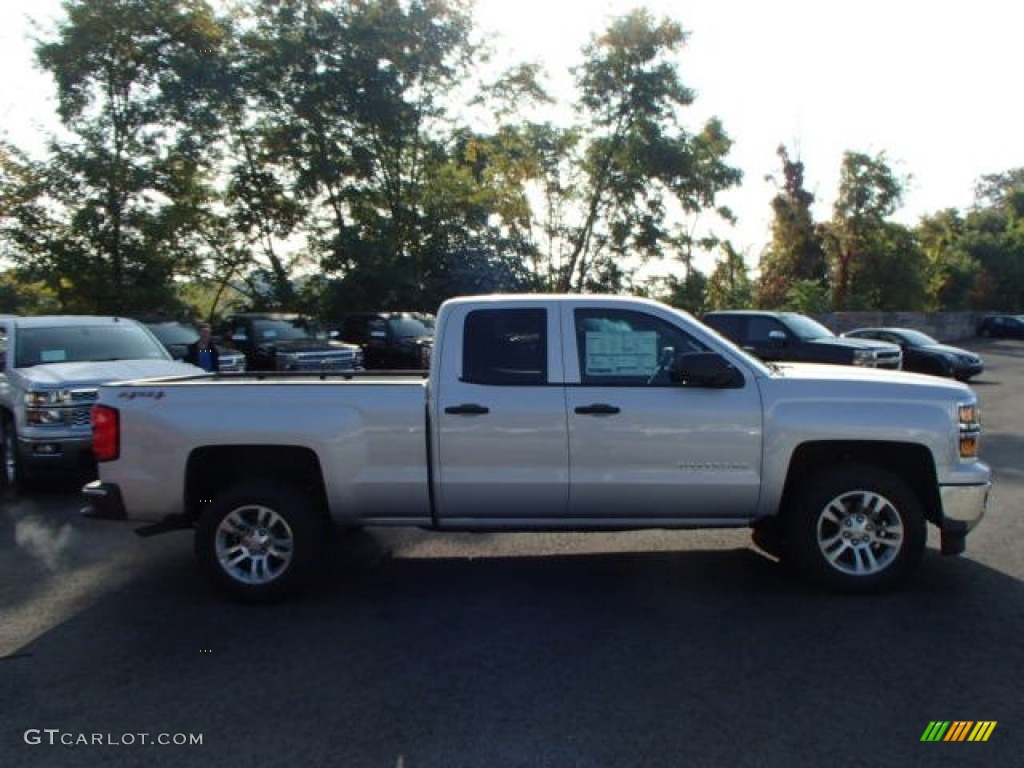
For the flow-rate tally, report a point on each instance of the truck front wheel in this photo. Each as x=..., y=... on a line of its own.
x=856, y=528
x=259, y=540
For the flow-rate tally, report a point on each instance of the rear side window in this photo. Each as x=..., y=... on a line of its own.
x=505, y=346
x=730, y=326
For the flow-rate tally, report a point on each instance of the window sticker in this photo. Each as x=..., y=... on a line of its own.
x=621, y=354
x=269, y=334
x=53, y=355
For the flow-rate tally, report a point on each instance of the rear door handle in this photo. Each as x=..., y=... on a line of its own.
x=470, y=409
x=597, y=409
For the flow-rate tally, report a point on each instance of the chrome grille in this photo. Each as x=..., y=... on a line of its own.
x=83, y=395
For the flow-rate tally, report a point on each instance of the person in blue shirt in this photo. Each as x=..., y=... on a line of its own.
x=203, y=352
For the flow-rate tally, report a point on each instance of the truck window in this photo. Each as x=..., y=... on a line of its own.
x=759, y=328
x=623, y=347
x=505, y=346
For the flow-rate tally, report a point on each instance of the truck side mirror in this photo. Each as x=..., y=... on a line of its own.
x=777, y=338
x=705, y=369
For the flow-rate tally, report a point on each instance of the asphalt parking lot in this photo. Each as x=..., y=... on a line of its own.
x=419, y=649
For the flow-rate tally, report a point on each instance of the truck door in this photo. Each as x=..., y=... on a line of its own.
x=502, y=445
x=641, y=446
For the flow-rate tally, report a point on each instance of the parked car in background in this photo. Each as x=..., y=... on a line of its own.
x=1002, y=326
x=391, y=340
x=923, y=354
x=177, y=335
x=50, y=368
x=288, y=342
x=792, y=337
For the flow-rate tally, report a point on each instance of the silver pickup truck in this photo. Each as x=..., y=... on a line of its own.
x=50, y=368
x=550, y=413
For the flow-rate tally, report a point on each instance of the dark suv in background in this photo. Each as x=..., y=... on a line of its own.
x=177, y=335
x=391, y=340
x=274, y=341
x=792, y=337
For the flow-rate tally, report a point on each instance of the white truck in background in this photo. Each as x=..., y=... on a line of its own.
x=50, y=368
x=550, y=413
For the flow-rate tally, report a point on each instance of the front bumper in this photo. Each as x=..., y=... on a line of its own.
x=963, y=506
x=43, y=455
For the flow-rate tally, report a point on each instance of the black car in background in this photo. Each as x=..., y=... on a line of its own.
x=923, y=354
x=391, y=340
x=792, y=337
x=176, y=335
x=1002, y=326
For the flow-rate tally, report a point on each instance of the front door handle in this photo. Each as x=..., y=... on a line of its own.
x=469, y=409
x=597, y=409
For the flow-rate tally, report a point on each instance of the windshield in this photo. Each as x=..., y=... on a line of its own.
x=281, y=330
x=174, y=333
x=79, y=344
x=409, y=326
x=806, y=328
x=917, y=339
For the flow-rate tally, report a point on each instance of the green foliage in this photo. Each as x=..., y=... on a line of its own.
x=632, y=160
x=339, y=154
x=869, y=192
x=729, y=286
x=123, y=195
x=689, y=293
x=796, y=254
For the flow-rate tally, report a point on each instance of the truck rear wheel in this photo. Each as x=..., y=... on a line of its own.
x=856, y=528
x=259, y=540
x=13, y=473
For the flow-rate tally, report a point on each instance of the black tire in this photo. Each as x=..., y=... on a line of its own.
x=259, y=539
x=12, y=472
x=856, y=528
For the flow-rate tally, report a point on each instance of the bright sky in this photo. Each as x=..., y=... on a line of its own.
x=932, y=84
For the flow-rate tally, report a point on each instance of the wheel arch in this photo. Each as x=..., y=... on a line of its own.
x=211, y=469
x=910, y=461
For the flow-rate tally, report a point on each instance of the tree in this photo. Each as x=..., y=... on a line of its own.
x=796, y=254
x=131, y=77
x=869, y=192
x=729, y=286
x=617, y=184
x=951, y=270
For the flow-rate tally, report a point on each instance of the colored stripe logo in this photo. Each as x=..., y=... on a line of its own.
x=958, y=730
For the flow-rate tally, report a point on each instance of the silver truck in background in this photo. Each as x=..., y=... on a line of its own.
x=50, y=368
x=550, y=413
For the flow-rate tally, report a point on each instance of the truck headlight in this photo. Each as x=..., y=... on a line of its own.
x=969, y=419
x=47, y=417
x=47, y=397
x=864, y=357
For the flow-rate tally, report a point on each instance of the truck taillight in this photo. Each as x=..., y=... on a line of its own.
x=106, y=433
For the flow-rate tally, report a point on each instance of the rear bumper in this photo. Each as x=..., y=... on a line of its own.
x=103, y=501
